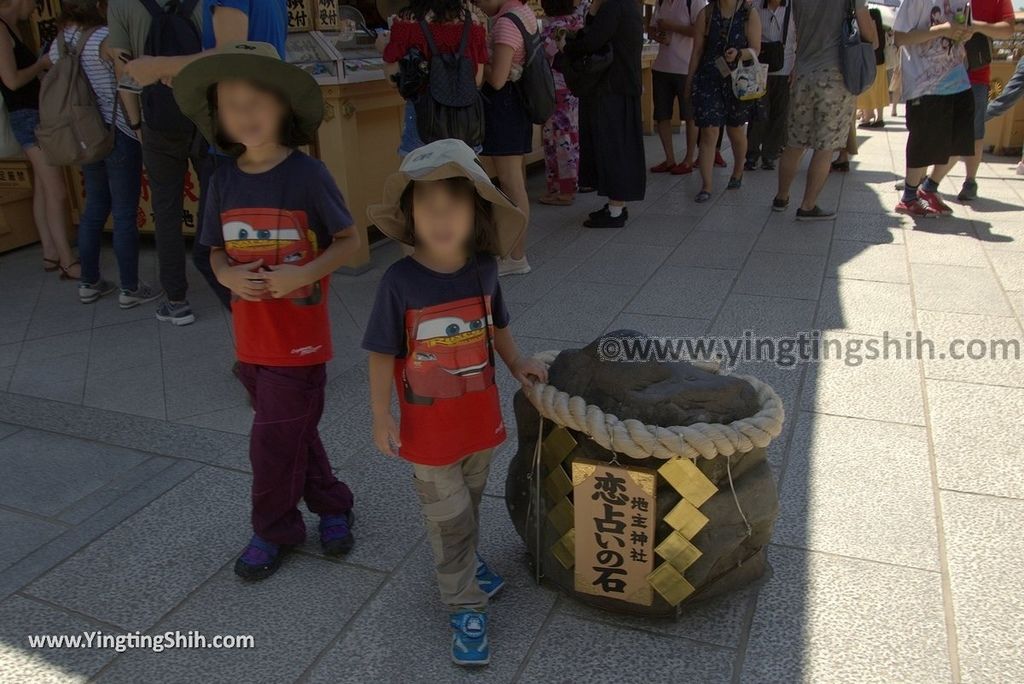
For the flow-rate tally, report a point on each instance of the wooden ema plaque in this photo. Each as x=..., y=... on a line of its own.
x=614, y=519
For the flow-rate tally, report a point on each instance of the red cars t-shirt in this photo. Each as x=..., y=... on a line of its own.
x=287, y=215
x=990, y=12
x=440, y=329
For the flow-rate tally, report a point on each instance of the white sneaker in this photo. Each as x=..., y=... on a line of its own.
x=1020, y=168
x=89, y=293
x=129, y=299
x=510, y=266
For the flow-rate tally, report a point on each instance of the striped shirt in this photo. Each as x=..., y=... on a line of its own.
x=99, y=72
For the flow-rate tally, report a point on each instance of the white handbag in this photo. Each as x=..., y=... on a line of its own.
x=749, y=80
x=9, y=146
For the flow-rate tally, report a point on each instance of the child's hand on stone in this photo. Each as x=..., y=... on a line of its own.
x=386, y=435
x=285, y=278
x=529, y=370
x=244, y=281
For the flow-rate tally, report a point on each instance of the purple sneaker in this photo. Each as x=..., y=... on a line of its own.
x=260, y=559
x=336, y=534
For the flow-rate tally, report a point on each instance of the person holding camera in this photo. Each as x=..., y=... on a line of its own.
x=727, y=31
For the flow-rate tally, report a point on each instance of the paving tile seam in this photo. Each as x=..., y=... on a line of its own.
x=28, y=569
x=545, y=623
x=843, y=556
x=342, y=562
x=358, y=613
x=143, y=450
x=948, y=609
x=169, y=613
x=740, y=659
x=103, y=624
x=122, y=444
x=36, y=516
x=983, y=495
x=119, y=486
x=875, y=420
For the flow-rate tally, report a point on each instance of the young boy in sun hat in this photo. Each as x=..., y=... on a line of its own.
x=278, y=227
x=437, y=324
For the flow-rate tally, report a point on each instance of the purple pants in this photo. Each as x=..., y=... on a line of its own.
x=288, y=459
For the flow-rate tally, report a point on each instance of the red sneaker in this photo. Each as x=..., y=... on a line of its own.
x=934, y=202
x=682, y=169
x=663, y=167
x=720, y=160
x=916, y=207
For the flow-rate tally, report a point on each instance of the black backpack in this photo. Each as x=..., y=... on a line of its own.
x=171, y=33
x=450, y=104
x=537, y=84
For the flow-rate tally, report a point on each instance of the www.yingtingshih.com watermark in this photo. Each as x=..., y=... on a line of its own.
x=163, y=641
x=790, y=351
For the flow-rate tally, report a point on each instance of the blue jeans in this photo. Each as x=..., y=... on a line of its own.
x=112, y=186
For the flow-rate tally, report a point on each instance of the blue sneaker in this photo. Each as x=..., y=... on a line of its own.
x=469, y=642
x=260, y=559
x=489, y=581
x=336, y=534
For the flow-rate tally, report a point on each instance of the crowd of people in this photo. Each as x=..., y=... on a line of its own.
x=222, y=98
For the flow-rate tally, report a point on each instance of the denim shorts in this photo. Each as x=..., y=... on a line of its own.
x=23, y=125
x=980, y=92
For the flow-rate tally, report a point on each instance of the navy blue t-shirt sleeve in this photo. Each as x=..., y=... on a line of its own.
x=213, y=232
x=328, y=201
x=385, y=331
x=499, y=310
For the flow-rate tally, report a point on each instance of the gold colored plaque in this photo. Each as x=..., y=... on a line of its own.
x=678, y=551
x=687, y=479
x=615, y=516
x=557, y=484
x=561, y=515
x=670, y=584
x=565, y=548
x=556, y=446
x=686, y=519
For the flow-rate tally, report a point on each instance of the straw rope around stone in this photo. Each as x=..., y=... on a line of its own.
x=640, y=441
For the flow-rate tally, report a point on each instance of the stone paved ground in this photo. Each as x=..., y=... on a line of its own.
x=897, y=557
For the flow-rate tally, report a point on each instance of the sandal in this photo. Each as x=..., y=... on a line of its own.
x=734, y=183
x=585, y=190
x=702, y=196
x=556, y=200
x=50, y=265
x=841, y=167
x=65, y=271
x=663, y=167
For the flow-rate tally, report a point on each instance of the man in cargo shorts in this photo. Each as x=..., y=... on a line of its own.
x=821, y=107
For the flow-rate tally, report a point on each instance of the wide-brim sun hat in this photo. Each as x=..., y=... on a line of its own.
x=441, y=160
x=249, y=61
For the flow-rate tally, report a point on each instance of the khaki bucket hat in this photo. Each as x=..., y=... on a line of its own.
x=437, y=161
x=249, y=61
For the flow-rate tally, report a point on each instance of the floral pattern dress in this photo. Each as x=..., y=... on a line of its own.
x=561, y=133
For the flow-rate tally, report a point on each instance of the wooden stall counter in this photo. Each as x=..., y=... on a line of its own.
x=358, y=141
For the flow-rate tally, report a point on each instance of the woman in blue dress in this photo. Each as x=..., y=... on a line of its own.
x=727, y=31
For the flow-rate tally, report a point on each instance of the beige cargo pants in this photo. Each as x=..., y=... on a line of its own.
x=450, y=496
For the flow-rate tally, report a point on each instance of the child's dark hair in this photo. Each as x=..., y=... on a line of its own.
x=557, y=8
x=482, y=239
x=291, y=133
x=84, y=14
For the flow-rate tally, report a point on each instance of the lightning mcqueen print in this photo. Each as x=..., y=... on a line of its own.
x=449, y=350
x=277, y=236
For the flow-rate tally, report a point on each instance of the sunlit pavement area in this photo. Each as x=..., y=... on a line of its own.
x=896, y=558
